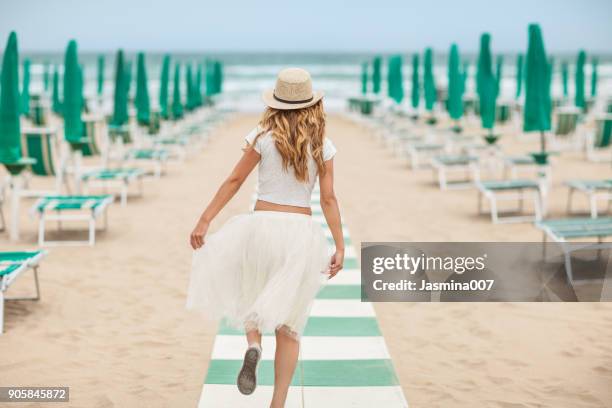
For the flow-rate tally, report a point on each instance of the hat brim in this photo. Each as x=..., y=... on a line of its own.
x=269, y=100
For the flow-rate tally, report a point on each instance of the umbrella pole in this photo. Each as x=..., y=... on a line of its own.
x=15, y=204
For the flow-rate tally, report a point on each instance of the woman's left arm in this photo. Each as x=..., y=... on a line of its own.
x=228, y=189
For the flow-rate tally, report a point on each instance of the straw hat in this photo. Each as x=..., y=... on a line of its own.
x=293, y=90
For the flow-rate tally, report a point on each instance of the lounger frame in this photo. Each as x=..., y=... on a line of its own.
x=510, y=194
x=8, y=279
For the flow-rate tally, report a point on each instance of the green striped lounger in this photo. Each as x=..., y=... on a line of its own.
x=564, y=230
x=419, y=152
x=344, y=361
x=12, y=264
x=122, y=178
x=594, y=190
x=155, y=156
x=505, y=190
x=71, y=208
x=526, y=164
x=443, y=165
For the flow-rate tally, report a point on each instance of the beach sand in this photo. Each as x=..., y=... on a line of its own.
x=112, y=325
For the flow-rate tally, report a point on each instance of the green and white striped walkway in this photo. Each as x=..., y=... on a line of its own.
x=344, y=361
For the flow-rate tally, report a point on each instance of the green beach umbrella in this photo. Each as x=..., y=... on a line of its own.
x=465, y=72
x=395, y=79
x=46, y=76
x=499, y=73
x=197, y=90
x=189, y=102
x=73, y=96
x=177, y=105
x=120, y=99
x=415, y=93
x=429, y=83
x=56, y=102
x=82, y=86
x=376, y=75
x=565, y=78
x=25, y=89
x=10, y=131
x=364, y=78
x=163, y=87
x=537, y=87
x=209, y=78
x=594, y=64
x=486, y=84
x=519, y=75
x=455, y=84
x=218, y=76
x=579, y=100
x=143, y=110
x=128, y=78
x=100, y=74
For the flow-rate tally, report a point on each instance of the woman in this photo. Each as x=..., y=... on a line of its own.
x=262, y=270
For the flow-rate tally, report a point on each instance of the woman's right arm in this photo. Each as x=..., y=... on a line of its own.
x=228, y=189
x=329, y=205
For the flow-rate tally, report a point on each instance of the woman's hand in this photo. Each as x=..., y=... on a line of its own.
x=337, y=262
x=197, y=235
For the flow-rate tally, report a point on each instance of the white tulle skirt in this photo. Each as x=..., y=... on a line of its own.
x=261, y=270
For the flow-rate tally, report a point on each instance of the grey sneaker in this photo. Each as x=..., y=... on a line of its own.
x=247, y=377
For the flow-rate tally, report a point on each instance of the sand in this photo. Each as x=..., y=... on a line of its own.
x=111, y=323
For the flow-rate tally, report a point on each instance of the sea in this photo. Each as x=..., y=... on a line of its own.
x=246, y=75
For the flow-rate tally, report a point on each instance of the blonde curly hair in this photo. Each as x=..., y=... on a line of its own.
x=297, y=134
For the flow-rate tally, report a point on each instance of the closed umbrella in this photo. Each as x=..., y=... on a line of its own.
x=25, y=89
x=72, y=104
x=189, y=88
x=120, y=100
x=519, y=75
x=56, y=102
x=10, y=132
x=395, y=79
x=46, y=76
x=197, y=90
x=580, y=100
x=415, y=93
x=429, y=83
x=163, y=87
x=537, y=90
x=455, y=86
x=499, y=74
x=364, y=78
x=100, y=74
x=565, y=78
x=143, y=110
x=177, y=105
x=376, y=75
x=486, y=86
x=594, y=65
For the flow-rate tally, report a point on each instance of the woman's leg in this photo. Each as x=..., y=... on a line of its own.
x=253, y=336
x=285, y=360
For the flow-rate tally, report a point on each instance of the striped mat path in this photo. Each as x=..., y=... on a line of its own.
x=344, y=361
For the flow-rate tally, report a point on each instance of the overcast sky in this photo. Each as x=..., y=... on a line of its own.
x=313, y=25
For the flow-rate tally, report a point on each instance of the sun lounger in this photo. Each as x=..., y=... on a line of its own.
x=563, y=230
x=565, y=127
x=156, y=157
x=445, y=164
x=505, y=190
x=12, y=264
x=71, y=208
x=420, y=152
x=594, y=190
x=513, y=165
x=109, y=178
x=598, y=145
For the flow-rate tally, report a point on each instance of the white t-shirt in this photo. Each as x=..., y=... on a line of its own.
x=279, y=186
